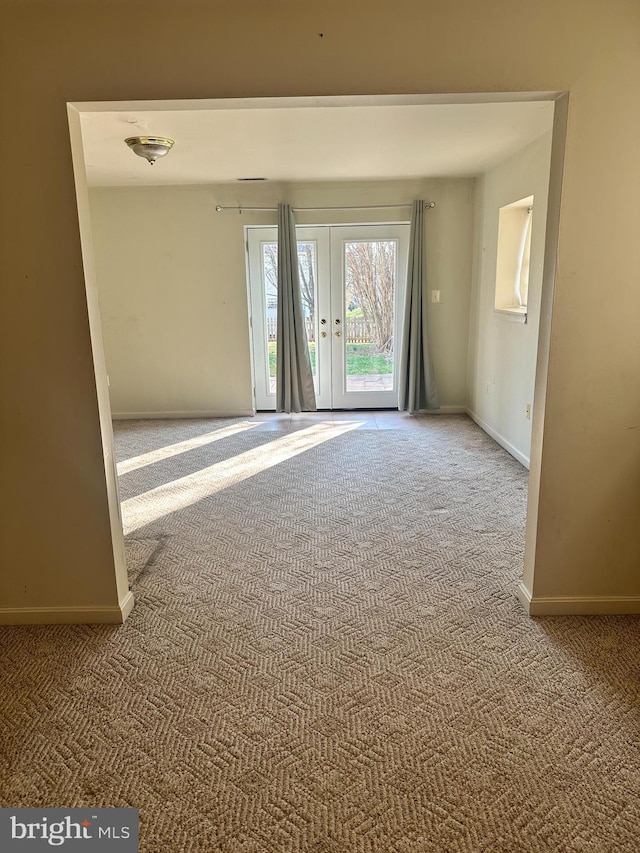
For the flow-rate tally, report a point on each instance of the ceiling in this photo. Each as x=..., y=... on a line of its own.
x=310, y=143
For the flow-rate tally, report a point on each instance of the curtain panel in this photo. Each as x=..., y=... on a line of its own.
x=418, y=387
x=294, y=378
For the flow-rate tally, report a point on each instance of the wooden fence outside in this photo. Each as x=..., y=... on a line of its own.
x=356, y=330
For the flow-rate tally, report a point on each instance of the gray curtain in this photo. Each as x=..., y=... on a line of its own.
x=418, y=388
x=294, y=379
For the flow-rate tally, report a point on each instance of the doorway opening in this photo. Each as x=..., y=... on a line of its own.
x=97, y=133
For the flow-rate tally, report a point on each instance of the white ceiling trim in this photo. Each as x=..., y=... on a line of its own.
x=315, y=101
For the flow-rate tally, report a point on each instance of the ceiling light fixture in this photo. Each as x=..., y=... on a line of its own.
x=150, y=147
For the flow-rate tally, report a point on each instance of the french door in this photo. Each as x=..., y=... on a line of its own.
x=352, y=283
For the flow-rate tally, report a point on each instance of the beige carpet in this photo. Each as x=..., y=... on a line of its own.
x=327, y=656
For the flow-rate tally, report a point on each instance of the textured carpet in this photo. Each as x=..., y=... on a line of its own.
x=327, y=656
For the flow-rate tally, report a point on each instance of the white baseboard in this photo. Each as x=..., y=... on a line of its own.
x=68, y=615
x=126, y=605
x=205, y=413
x=579, y=605
x=502, y=441
x=443, y=410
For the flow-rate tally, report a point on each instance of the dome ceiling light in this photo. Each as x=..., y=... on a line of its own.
x=150, y=147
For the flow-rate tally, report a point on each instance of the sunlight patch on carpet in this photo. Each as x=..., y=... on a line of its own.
x=178, y=494
x=170, y=450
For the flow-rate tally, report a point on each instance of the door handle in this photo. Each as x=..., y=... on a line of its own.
x=323, y=334
x=337, y=334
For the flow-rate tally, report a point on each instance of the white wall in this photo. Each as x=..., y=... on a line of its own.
x=173, y=296
x=172, y=301
x=502, y=353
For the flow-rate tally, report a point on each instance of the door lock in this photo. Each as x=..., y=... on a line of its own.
x=337, y=322
x=322, y=322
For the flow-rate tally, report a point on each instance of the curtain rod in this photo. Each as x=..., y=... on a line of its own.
x=240, y=208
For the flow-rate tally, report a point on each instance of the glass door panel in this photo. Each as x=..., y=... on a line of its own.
x=270, y=278
x=307, y=268
x=370, y=272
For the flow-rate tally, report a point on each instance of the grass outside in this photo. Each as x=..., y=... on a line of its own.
x=362, y=360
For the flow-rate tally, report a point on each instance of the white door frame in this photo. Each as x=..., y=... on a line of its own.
x=342, y=398
x=264, y=398
x=331, y=390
